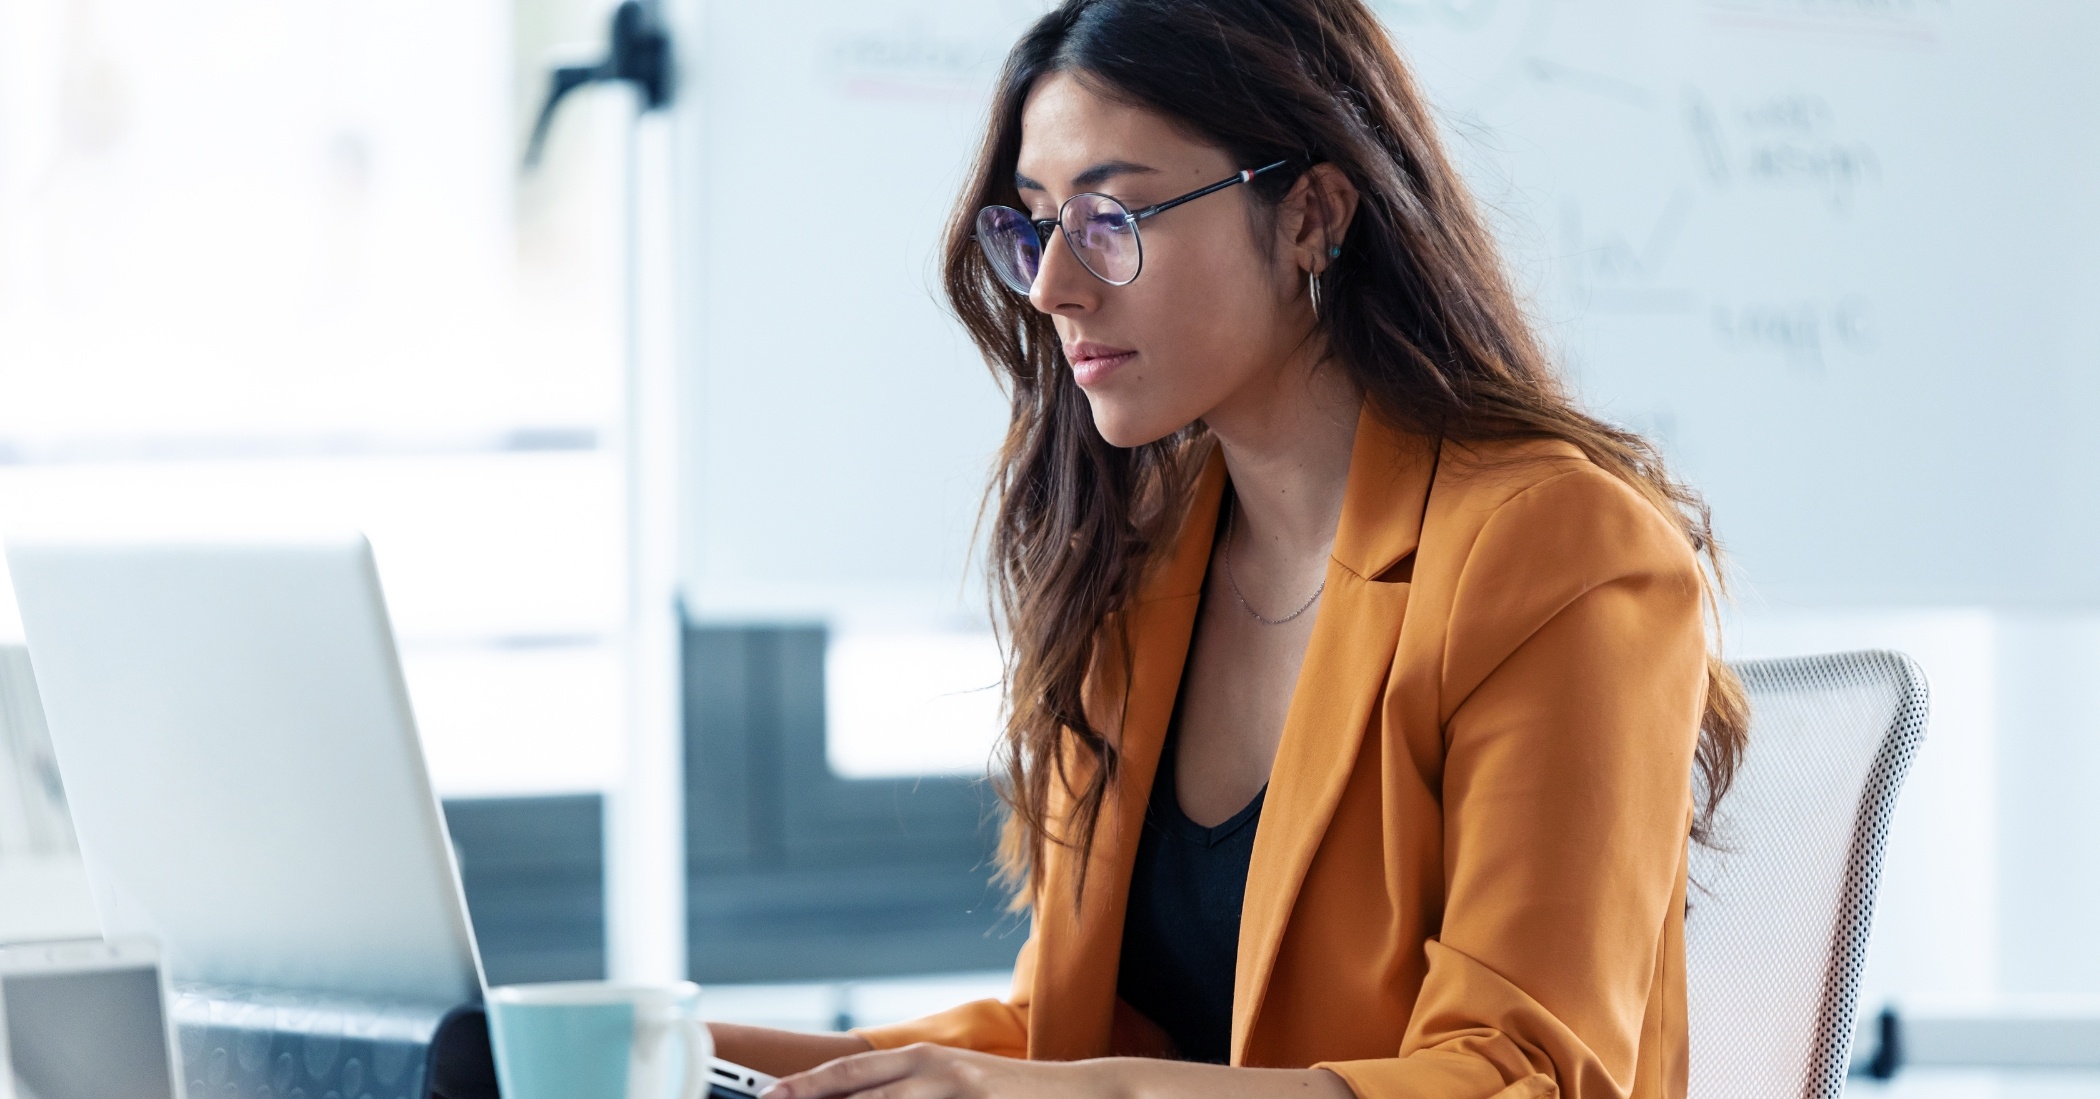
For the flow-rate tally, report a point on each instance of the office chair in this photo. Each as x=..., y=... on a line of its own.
x=1780, y=907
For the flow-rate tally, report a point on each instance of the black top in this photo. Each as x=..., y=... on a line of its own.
x=1181, y=934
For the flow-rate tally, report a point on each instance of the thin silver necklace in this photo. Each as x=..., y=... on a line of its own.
x=1231, y=518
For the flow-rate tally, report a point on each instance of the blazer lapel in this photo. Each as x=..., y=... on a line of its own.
x=1346, y=666
x=1078, y=953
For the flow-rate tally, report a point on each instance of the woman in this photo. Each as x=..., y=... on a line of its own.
x=1356, y=677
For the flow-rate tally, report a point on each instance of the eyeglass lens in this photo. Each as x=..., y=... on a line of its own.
x=1010, y=245
x=1104, y=237
x=1101, y=232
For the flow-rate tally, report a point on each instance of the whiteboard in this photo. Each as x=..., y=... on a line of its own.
x=838, y=427
x=1842, y=257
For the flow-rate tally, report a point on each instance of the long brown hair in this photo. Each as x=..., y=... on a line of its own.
x=1417, y=309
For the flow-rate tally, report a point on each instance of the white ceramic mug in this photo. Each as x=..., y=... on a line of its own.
x=600, y=1040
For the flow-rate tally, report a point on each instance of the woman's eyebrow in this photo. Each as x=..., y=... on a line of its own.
x=1093, y=177
x=1107, y=170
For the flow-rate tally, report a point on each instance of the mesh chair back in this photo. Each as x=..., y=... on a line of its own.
x=1780, y=906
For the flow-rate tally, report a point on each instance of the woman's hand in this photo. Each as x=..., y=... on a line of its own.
x=937, y=1072
x=926, y=1071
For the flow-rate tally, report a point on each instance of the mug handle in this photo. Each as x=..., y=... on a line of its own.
x=699, y=1049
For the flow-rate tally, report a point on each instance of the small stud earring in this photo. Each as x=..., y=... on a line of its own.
x=1334, y=252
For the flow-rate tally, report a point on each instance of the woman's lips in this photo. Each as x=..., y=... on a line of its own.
x=1093, y=362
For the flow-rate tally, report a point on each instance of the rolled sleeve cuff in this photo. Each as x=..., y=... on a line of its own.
x=1446, y=1074
x=988, y=1026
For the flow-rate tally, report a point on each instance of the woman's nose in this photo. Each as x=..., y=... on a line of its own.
x=1062, y=284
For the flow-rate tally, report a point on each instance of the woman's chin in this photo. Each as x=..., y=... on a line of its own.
x=1126, y=427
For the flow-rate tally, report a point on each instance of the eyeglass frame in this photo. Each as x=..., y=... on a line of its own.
x=1044, y=227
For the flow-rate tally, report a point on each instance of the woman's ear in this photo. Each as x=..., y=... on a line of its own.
x=1317, y=215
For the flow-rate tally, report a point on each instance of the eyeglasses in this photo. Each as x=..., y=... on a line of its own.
x=1101, y=231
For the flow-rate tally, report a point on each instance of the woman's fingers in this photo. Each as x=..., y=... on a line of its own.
x=850, y=1075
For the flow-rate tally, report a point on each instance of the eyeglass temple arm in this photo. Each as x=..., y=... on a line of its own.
x=1246, y=175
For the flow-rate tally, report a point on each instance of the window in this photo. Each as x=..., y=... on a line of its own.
x=264, y=261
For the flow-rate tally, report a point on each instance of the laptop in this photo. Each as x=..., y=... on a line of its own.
x=242, y=764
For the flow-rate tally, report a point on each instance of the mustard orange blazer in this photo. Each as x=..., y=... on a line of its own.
x=1469, y=876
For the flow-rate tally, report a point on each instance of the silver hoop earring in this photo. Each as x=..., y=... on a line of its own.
x=1312, y=282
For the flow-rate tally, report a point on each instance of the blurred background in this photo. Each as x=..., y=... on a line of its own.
x=671, y=457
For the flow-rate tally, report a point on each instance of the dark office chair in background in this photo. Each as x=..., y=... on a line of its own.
x=1781, y=906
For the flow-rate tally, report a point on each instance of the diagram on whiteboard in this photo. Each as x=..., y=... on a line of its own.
x=1784, y=233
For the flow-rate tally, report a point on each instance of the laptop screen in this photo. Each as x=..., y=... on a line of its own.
x=95, y=1034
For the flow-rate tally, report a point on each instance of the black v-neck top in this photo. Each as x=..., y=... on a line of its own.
x=1181, y=932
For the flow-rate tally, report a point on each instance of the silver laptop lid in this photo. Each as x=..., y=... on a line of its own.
x=235, y=738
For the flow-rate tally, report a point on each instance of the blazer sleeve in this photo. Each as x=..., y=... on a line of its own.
x=988, y=1026
x=1573, y=683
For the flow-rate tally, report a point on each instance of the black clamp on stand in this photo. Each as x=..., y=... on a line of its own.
x=288, y=1045
x=639, y=53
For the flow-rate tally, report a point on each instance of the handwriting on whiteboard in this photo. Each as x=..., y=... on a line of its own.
x=1803, y=332
x=1619, y=269
x=912, y=60
x=1785, y=141
x=1899, y=23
